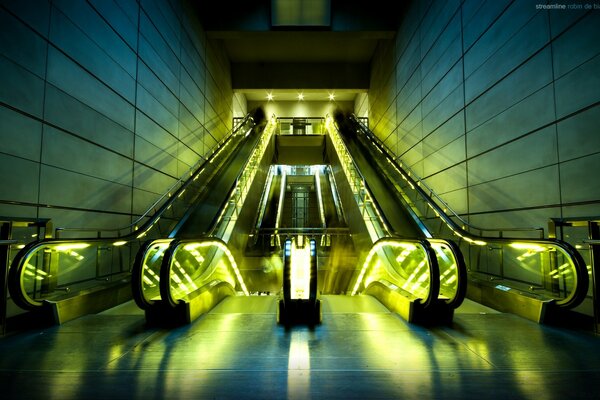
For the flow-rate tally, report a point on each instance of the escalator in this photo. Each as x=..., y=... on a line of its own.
x=533, y=277
x=223, y=232
x=61, y=279
x=420, y=277
x=177, y=278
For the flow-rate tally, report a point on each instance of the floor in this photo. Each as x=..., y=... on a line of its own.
x=361, y=351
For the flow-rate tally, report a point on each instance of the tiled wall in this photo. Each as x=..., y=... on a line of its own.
x=496, y=104
x=103, y=105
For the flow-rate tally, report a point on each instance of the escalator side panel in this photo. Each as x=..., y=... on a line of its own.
x=270, y=216
x=387, y=198
x=356, y=224
x=203, y=217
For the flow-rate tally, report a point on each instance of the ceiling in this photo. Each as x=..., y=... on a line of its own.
x=308, y=94
x=332, y=57
x=299, y=46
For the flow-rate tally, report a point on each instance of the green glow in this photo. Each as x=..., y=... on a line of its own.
x=528, y=246
x=300, y=270
x=373, y=220
x=394, y=268
x=70, y=246
x=228, y=217
x=187, y=283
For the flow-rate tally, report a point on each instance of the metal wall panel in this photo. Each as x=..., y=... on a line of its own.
x=20, y=135
x=579, y=182
x=120, y=88
x=529, y=81
x=20, y=177
x=532, y=76
x=74, y=190
x=21, y=88
x=74, y=80
x=446, y=133
x=62, y=150
x=531, y=152
x=95, y=28
x=74, y=116
x=578, y=88
x=521, y=118
x=527, y=189
x=578, y=136
x=150, y=180
x=29, y=51
x=154, y=156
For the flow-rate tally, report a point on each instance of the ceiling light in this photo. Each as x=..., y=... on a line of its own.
x=269, y=96
x=300, y=96
x=331, y=97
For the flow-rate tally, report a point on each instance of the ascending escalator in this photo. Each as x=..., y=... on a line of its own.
x=60, y=279
x=177, y=278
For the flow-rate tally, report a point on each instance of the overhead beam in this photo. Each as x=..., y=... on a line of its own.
x=345, y=15
x=300, y=75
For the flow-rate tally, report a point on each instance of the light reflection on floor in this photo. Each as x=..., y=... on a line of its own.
x=360, y=351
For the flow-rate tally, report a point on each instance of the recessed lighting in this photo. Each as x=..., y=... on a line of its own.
x=269, y=96
x=300, y=96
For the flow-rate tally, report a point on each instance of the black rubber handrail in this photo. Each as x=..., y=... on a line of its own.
x=16, y=270
x=166, y=294
x=581, y=277
x=137, y=268
x=434, y=268
x=460, y=262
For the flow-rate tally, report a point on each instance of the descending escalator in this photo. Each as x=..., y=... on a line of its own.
x=402, y=265
x=268, y=219
x=399, y=219
x=202, y=217
x=536, y=278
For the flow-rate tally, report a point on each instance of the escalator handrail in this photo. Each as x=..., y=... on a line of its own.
x=461, y=274
x=434, y=268
x=137, y=276
x=214, y=223
x=419, y=184
x=137, y=269
x=461, y=265
x=385, y=221
x=17, y=267
x=167, y=262
x=581, y=274
x=170, y=193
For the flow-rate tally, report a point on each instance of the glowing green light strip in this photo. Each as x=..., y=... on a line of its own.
x=238, y=195
x=373, y=220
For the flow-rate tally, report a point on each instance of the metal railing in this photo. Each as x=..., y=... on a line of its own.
x=447, y=264
x=4, y=247
x=300, y=126
x=156, y=209
x=154, y=261
x=52, y=269
x=536, y=267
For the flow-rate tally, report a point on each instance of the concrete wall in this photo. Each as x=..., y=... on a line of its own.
x=103, y=105
x=495, y=103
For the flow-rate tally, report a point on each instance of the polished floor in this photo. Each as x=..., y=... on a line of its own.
x=361, y=351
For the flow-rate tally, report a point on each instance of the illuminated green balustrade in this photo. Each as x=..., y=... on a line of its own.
x=191, y=267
